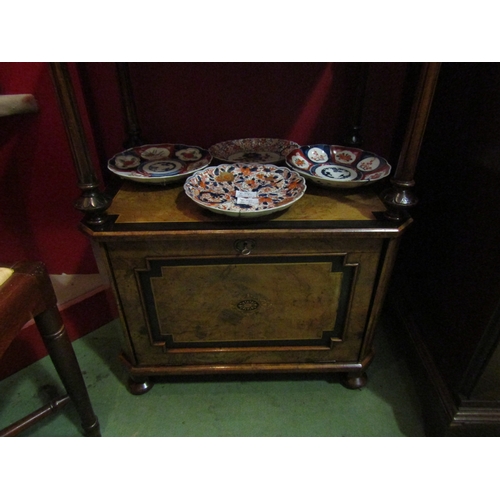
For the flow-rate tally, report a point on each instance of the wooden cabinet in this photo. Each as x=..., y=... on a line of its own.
x=203, y=293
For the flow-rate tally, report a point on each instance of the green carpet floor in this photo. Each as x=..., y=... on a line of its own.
x=285, y=405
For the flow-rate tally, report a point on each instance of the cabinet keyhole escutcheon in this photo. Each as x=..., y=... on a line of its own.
x=244, y=247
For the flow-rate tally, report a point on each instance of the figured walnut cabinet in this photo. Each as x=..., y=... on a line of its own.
x=201, y=293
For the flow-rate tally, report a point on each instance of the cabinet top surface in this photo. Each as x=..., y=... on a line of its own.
x=138, y=207
x=135, y=203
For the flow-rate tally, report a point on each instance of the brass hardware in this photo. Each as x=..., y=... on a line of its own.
x=244, y=247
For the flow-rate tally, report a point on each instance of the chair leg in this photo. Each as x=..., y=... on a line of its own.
x=58, y=344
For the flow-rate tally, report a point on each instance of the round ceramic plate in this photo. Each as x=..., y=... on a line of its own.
x=252, y=150
x=159, y=163
x=245, y=189
x=337, y=166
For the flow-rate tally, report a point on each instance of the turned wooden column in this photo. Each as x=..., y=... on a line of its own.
x=400, y=196
x=133, y=129
x=354, y=137
x=93, y=203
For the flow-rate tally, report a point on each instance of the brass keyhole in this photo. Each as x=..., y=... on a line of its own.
x=244, y=247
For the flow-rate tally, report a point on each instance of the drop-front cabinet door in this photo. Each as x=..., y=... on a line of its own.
x=287, y=299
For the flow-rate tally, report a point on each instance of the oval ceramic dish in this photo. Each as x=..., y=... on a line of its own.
x=245, y=189
x=252, y=150
x=338, y=166
x=159, y=163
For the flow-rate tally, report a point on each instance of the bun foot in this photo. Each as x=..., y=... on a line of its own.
x=139, y=385
x=354, y=380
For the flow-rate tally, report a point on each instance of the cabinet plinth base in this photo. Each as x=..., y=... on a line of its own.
x=140, y=377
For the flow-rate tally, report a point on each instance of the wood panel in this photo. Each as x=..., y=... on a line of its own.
x=245, y=304
x=169, y=204
x=175, y=304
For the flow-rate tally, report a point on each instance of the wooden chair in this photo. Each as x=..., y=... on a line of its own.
x=28, y=294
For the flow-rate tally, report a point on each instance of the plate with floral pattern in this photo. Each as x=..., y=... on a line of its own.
x=252, y=150
x=159, y=163
x=245, y=189
x=337, y=166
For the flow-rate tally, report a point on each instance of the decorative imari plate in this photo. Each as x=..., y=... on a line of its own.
x=252, y=150
x=159, y=163
x=245, y=189
x=338, y=166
